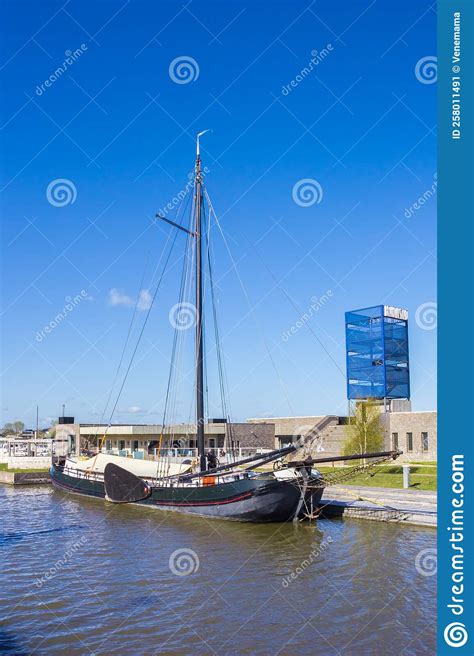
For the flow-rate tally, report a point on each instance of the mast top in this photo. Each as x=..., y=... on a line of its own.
x=197, y=142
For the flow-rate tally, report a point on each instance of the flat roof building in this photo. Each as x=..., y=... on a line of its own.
x=415, y=433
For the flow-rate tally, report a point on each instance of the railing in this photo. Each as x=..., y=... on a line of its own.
x=25, y=448
x=180, y=453
x=163, y=481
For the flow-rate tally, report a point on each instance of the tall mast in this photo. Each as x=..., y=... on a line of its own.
x=199, y=313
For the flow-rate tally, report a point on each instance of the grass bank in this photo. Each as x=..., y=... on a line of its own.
x=422, y=476
x=16, y=470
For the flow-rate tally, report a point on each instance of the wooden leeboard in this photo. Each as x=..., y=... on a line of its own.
x=121, y=486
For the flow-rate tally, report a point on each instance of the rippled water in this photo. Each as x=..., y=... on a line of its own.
x=84, y=577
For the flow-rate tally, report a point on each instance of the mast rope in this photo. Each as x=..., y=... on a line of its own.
x=145, y=321
x=234, y=265
x=223, y=387
x=170, y=397
x=335, y=478
x=298, y=310
x=127, y=338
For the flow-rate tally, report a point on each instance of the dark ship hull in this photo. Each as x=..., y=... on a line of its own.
x=256, y=498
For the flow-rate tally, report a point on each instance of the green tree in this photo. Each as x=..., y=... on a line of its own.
x=15, y=427
x=18, y=426
x=365, y=431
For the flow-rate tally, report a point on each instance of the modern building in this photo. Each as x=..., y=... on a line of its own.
x=414, y=433
x=377, y=357
x=179, y=439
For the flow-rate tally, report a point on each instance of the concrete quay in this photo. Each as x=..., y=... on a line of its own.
x=24, y=478
x=381, y=504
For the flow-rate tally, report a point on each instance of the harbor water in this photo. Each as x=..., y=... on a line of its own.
x=80, y=576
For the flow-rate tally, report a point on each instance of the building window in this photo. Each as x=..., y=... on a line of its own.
x=109, y=445
x=425, y=442
x=394, y=441
x=409, y=442
x=122, y=445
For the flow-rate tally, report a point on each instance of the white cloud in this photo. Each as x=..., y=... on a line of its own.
x=144, y=300
x=117, y=297
x=132, y=410
x=135, y=410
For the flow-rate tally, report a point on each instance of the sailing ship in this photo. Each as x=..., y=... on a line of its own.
x=238, y=489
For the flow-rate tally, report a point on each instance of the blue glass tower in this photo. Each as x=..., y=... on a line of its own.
x=377, y=358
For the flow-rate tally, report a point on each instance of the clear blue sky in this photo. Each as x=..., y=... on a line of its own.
x=117, y=126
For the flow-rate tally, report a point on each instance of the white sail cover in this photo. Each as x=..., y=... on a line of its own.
x=142, y=468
